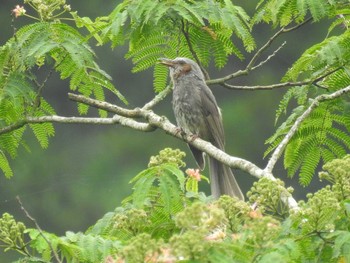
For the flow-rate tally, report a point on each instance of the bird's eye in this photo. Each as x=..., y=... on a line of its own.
x=181, y=62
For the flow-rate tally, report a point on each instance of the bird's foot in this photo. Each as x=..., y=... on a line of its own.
x=181, y=131
x=193, y=137
x=183, y=134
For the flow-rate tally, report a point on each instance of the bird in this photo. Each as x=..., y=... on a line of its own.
x=197, y=113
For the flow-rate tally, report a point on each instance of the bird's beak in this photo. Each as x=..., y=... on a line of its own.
x=167, y=62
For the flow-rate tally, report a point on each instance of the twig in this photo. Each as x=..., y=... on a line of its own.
x=12, y=127
x=316, y=102
x=284, y=84
x=104, y=106
x=116, y=119
x=286, y=30
x=251, y=64
x=187, y=37
x=39, y=229
x=158, y=98
x=269, y=57
x=270, y=41
x=40, y=87
x=250, y=67
x=266, y=87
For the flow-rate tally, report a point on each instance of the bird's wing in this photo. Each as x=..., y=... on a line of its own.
x=213, y=117
x=198, y=156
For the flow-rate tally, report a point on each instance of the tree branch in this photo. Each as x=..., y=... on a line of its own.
x=316, y=102
x=283, y=84
x=158, y=98
x=12, y=127
x=266, y=87
x=104, y=106
x=116, y=119
x=39, y=229
x=251, y=64
x=269, y=57
x=153, y=121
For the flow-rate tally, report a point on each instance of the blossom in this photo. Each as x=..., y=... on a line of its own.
x=255, y=214
x=194, y=173
x=166, y=256
x=217, y=235
x=18, y=11
x=236, y=236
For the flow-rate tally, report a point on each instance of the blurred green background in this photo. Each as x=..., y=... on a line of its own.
x=86, y=169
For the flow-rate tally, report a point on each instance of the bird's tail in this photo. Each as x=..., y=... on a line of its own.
x=222, y=180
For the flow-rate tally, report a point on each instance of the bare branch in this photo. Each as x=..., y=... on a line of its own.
x=104, y=106
x=269, y=57
x=266, y=87
x=116, y=119
x=251, y=65
x=283, y=84
x=131, y=113
x=12, y=127
x=228, y=77
x=316, y=102
x=289, y=29
x=158, y=98
x=39, y=229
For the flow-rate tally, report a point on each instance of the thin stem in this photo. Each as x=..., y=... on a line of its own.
x=251, y=64
x=316, y=102
x=158, y=98
x=33, y=17
x=284, y=84
x=269, y=57
x=194, y=54
x=39, y=229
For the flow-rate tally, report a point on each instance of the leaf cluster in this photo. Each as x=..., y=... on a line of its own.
x=35, y=48
x=226, y=230
x=201, y=30
x=284, y=12
x=324, y=135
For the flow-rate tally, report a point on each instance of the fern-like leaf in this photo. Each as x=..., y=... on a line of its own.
x=201, y=29
x=330, y=53
x=143, y=186
x=5, y=166
x=160, y=77
x=309, y=165
x=42, y=133
x=284, y=12
x=325, y=134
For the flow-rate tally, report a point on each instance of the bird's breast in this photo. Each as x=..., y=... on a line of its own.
x=188, y=111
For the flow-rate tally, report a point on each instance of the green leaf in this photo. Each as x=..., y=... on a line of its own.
x=143, y=185
x=42, y=132
x=5, y=166
x=342, y=245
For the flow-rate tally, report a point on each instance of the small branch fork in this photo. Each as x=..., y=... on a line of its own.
x=252, y=63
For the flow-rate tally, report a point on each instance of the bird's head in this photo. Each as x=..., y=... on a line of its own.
x=180, y=67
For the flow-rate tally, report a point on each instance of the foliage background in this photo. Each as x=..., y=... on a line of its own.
x=85, y=171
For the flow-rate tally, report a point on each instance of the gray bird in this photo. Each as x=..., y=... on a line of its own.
x=197, y=113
